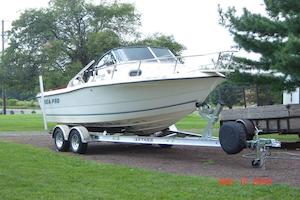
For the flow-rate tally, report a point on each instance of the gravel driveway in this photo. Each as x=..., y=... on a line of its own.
x=196, y=161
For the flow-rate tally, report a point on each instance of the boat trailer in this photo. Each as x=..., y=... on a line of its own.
x=234, y=137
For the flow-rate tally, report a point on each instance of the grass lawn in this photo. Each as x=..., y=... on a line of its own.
x=25, y=122
x=193, y=122
x=34, y=122
x=31, y=173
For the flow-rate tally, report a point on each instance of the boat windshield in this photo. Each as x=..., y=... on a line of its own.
x=164, y=55
x=132, y=54
x=144, y=53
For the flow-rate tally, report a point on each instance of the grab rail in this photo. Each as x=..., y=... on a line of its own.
x=177, y=59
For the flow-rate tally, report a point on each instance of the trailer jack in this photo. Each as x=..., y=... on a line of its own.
x=261, y=146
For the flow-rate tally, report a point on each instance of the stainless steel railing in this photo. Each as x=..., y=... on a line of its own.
x=222, y=62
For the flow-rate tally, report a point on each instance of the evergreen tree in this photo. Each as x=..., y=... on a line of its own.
x=274, y=36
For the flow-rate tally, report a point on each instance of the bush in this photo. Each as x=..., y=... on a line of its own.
x=11, y=112
x=27, y=104
x=12, y=102
x=33, y=112
x=21, y=104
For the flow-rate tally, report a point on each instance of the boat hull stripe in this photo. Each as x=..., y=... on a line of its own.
x=126, y=112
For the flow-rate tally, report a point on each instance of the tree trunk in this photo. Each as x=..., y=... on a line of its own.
x=244, y=97
x=257, y=96
x=4, y=100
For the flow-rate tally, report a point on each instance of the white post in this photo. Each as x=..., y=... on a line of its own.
x=43, y=102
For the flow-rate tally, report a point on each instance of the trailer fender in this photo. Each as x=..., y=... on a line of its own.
x=65, y=129
x=84, y=133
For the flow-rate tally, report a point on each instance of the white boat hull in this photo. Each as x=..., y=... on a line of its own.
x=142, y=107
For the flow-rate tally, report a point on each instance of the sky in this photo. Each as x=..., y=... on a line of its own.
x=193, y=23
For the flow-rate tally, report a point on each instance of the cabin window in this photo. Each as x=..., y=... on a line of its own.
x=133, y=54
x=163, y=54
x=106, y=60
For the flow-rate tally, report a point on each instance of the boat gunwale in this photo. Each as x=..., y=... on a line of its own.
x=98, y=84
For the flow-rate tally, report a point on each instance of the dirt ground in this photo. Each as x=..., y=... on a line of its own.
x=195, y=161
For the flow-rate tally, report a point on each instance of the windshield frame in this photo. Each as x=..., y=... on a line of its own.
x=154, y=57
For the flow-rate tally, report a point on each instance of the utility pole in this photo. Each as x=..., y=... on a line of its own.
x=3, y=82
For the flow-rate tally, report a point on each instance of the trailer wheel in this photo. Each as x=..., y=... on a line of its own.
x=232, y=137
x=249, y=127
x=76, y=144
x=60, y=143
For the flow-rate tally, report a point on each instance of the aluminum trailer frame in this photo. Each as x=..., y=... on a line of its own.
x=171, y=136
x=166, y=140
x=63, y=134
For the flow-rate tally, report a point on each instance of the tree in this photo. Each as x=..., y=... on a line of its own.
x=229, y=93
x=59, y=40
x=160, y=40
x=275, y=37
x=62, y=38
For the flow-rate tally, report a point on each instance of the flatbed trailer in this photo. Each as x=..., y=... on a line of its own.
x=282, y=119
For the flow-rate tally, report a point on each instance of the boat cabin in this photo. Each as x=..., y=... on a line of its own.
x=126, y=59
x=130, y=54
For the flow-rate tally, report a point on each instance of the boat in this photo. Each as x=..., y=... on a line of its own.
x=132, y=90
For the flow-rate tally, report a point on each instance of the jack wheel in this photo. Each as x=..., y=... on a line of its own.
x=256, y=163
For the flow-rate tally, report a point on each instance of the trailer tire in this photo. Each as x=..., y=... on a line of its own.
x=60, y=143
x=249, y=127
x=232, y=136
x=76, y=144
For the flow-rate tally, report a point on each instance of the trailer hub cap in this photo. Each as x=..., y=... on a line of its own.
x=75, y=142
x=59, y=139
